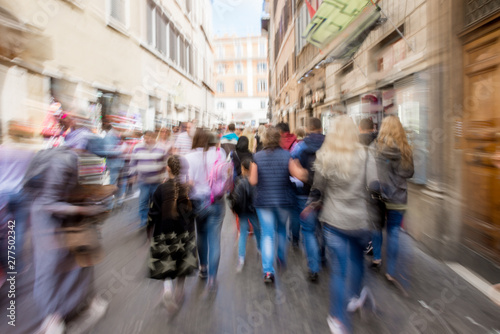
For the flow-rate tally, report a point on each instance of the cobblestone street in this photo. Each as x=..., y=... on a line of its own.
x=244, y=304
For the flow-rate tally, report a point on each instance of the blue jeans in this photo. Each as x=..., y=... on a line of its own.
x=244, y=226
x=147, y=191
x=271, y=219
x=346, y=254
x=394, y=219
x=209, y=220
x=308, y=227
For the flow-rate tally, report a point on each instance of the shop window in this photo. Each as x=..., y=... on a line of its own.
x=240, y=105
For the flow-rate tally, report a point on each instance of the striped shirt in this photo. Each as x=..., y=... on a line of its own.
x=149, y=163
x=183, y=143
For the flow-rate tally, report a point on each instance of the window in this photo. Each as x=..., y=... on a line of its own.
x=221, y=68
x=118, y=10
x=239, y=68
x=262, y=49
x=263, y=104
x=240, y=105
x=238, y=50
x=300, y=27
x=150, y=18
x=220, y=87
x=173, y=43
x=220, y=52
x=238, y=86
x=189, y=6
x=161, y=38
x=261, y=67
x=262, y=85
x=221, y=105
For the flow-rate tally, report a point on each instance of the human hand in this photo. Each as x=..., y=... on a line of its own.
x=306, y=212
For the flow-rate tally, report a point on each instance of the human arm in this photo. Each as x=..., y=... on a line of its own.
x=254, y=174
x=315, y=200
x=296, y=170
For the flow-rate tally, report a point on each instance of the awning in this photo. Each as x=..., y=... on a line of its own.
x=351, y=44
x=332, y=17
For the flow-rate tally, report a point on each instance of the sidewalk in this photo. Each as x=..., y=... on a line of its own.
x=245, y=305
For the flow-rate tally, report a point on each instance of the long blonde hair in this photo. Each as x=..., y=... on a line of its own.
x=251, y=140
x=336, y=156
x=392, y=134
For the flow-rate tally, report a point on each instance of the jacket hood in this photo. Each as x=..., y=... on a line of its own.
x=367, y=138
x=287, y=139
x=314, y=141
x=390, y=152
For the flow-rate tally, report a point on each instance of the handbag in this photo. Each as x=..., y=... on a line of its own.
x=81, y=234
x=375, y=202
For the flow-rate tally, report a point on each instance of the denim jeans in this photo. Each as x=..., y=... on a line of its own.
x=147, y=191
x=308, y=227
x=272, y=219
x=244, y=226
x=209, y=220
x=394, y=219
x=346, y=254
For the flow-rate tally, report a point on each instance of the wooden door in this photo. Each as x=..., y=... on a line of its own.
x=481, y=230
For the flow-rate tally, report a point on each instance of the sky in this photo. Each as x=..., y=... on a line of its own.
x=240, y=17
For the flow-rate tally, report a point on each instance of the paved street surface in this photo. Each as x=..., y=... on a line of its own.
x=244, y=304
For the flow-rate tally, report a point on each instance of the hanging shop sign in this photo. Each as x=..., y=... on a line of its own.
x=332, y=17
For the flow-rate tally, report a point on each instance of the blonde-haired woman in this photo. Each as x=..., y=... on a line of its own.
x=248, y=132
x=395, y=165
x=344, y=168
x=259, y=146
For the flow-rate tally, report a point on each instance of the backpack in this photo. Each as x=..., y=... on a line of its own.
x=220, y=178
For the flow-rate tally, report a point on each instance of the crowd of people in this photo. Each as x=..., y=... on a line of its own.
x=334, y=192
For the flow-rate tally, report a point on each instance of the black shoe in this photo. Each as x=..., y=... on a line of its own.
x=269, y=278
x=312, y=277
x=203, y=273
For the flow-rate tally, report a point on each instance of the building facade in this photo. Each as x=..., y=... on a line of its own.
x=241, y=79
x=150, y=62
x=434, y=65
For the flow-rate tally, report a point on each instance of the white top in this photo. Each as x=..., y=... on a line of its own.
x=200, y=164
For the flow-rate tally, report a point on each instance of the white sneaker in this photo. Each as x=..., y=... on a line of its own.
x=52, y=324
x=241, y=263
x=89, y=317
x=336, y=327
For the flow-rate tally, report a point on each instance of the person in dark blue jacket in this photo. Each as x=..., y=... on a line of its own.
x=305, y=153
x=270, y=173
